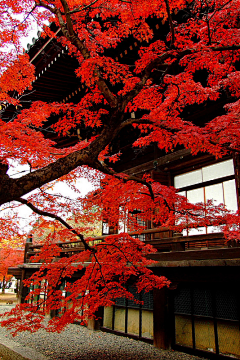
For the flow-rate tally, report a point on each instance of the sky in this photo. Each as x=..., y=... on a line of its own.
x=16, y=170
x=32, y=34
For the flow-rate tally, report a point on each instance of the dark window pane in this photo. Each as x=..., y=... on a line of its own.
x=202, y=302
x=226, y=304
x=147, y=299
x=136, y=295
x=120, y=301
x=182, y=301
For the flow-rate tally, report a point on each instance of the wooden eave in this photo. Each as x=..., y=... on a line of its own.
x=55, y=80
x=15, y=271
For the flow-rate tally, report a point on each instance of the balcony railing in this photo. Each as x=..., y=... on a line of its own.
x=160, y=238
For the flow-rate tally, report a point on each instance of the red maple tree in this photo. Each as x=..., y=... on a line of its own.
x=11, y=255
x=194, y=62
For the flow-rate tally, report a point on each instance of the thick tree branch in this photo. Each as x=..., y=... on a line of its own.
x=225, y=48
x=170, y=23
x=3, y=171
x=12, y=189
x=39, y=3
x=68, y=18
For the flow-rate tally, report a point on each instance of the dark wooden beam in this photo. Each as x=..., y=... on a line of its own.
x=223, y=253
x=150, y=165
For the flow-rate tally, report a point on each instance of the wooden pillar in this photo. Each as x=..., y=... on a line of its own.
x=96, y=324
x=236, y=159
x=23, y=289
x=27, y=245
x=161, y=321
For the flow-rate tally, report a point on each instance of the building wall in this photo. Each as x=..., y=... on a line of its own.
x=130, y=318
x=206, y=317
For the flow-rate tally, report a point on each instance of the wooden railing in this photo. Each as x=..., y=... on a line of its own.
x=66, y=249
x=158, y=237
x=184, y=243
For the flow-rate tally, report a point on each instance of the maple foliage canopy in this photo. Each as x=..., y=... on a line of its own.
x=11, y=254
x=194, y=62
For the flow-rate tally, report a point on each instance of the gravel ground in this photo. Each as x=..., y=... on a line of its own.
x=79, y=343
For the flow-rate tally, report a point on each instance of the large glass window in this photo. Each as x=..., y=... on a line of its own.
x=214, y=182
x=206, y=173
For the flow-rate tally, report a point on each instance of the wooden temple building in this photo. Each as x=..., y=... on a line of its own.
x=200, y=312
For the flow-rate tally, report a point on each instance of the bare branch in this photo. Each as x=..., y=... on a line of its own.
x=83, y=8
x=106, y=170
x=147, y=75
x=58, y=218
x=30, y=13
x=39, y=3
x=133, y=121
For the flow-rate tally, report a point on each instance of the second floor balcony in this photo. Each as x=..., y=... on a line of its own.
x=170, y=247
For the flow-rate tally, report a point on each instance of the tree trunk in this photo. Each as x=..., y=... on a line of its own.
x=4, y=285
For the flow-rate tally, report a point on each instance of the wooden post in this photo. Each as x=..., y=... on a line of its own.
x=96, y=324
x=236, y=160
x=27, y=245
x=23, y=289
x=161, y=331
